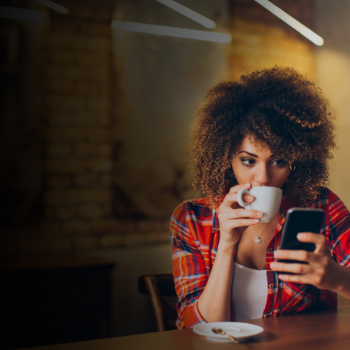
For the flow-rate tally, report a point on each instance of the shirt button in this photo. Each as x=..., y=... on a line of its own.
x=271, y=285
x=269, y=250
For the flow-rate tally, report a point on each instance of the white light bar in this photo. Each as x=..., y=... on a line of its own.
x=22, y=14
x=54, y=6
x=185, y=11
x=312, y=36
x=172, y=31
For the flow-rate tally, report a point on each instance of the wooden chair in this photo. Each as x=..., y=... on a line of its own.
x=161, y=290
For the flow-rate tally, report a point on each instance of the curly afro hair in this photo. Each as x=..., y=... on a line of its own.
x=277, y=107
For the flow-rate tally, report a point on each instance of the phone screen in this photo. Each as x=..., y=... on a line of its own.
x=300, y=220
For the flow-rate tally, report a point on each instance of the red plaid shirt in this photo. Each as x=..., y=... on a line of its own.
x=195, y=236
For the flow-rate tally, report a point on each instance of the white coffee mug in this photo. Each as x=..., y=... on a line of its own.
x=267, y=200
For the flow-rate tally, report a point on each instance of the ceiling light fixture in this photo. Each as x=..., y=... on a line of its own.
x=22, y=14
x=172, y=31
x=185, y=11
x=308, y=33
x=54, y=6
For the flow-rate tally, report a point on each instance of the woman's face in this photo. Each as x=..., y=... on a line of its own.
x=256, y=164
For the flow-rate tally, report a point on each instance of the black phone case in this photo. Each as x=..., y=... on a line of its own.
x=300, y=220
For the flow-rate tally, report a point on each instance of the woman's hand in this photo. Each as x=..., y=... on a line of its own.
x=321, y=271
x=234, y=219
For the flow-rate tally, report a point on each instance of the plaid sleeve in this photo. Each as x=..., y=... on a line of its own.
x=188, y=266
x=339, y=230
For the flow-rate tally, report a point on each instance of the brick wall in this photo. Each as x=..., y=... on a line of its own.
x=261, y=40
x=81, y=88
x=81, y=83
x=78, y=148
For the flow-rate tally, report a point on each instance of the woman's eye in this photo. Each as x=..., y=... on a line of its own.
x=248, y=161
x=279, y=162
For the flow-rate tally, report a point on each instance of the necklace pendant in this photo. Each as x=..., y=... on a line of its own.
x=257, y=240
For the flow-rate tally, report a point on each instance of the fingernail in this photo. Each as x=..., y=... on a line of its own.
x=260, y=213
x=256, y=220
x=247, y=184
x=277, y=254
x=250, y=196
x=301, y=235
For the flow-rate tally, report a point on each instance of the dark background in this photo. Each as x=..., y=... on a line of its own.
x=94, y=124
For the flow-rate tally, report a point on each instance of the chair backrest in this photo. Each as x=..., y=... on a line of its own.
x=161, y=290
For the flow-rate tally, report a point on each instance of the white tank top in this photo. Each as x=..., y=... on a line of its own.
x=249, y=292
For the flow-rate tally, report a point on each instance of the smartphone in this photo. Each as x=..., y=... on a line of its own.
x=300, y=220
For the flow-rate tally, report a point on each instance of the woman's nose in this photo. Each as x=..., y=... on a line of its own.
x=262, y=176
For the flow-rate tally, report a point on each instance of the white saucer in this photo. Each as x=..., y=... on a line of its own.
x=241, y=331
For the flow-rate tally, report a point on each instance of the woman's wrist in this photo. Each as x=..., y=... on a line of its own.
x=228, y=248
x=343, y=278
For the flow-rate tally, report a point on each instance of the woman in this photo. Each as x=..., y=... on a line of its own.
x=271, y=128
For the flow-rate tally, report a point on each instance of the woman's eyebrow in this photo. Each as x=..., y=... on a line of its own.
x=251, y=154
x=254, y=155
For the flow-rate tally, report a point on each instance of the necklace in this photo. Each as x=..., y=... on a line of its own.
x=258, y=239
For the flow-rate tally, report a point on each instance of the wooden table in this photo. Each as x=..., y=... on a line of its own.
x=328, y=329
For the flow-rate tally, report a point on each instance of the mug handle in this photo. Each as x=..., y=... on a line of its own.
x=240, y=200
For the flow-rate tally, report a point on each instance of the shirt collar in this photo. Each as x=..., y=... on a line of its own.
x=286, y=204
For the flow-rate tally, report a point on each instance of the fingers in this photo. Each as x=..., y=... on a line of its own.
x=303, y=255
x=319, y=270
x=236, y=188
x=242, y=222
x=302, y=279
x=308, y=275
x=290, y=267
x=231, y=226
x=232, y=216
x=311, y=237
x=300, y=255
x=231, y=197
x=248, y=198
x=316, y=238
x=244, y=213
